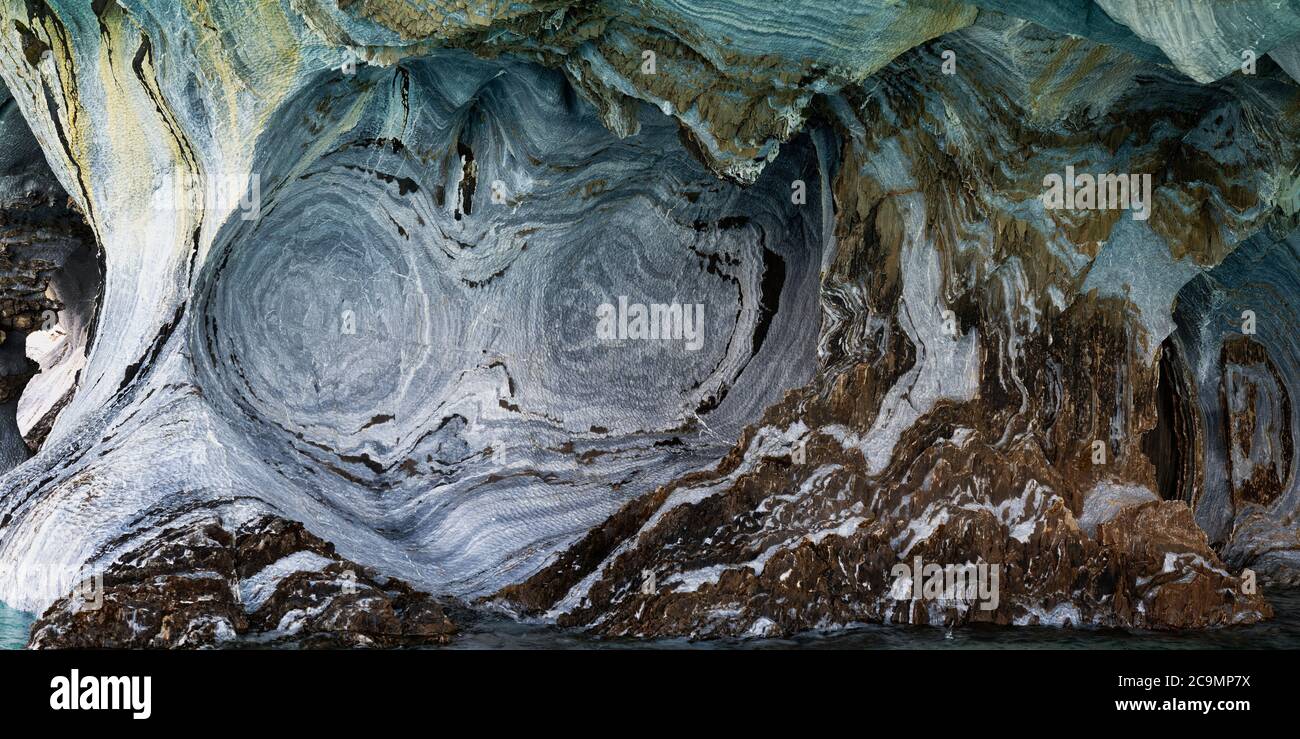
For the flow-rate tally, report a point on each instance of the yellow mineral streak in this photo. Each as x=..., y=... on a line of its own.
x=44, y=48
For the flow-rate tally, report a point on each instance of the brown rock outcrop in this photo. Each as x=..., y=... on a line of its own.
x=187, y=588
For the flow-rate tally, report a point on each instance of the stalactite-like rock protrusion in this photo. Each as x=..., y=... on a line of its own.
x=650, y=319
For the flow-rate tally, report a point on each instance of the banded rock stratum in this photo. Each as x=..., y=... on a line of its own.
x=326, y=275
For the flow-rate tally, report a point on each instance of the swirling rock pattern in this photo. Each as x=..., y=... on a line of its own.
x=1242, y=426
x=388, y=322
x=372, y=272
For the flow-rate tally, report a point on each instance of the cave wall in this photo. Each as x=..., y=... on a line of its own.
x=353, y=252
x=50, y=287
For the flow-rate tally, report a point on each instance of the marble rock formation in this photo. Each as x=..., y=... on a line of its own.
x=270, y=583
x=359, y=286
x=50, y=278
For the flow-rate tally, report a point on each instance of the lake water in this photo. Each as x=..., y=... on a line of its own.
x=1283, y=632
x=14, y=626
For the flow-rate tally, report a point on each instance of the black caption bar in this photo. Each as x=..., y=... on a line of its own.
x=335, y=688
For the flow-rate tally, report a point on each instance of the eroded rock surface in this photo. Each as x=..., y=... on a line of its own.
x=356, y=254
x=48, y=283
x=983, y=443
x=269, y=583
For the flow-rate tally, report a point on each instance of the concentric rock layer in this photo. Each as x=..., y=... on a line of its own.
x=658, y=318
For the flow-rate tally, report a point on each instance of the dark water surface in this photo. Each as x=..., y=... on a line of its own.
x=1283, y=632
